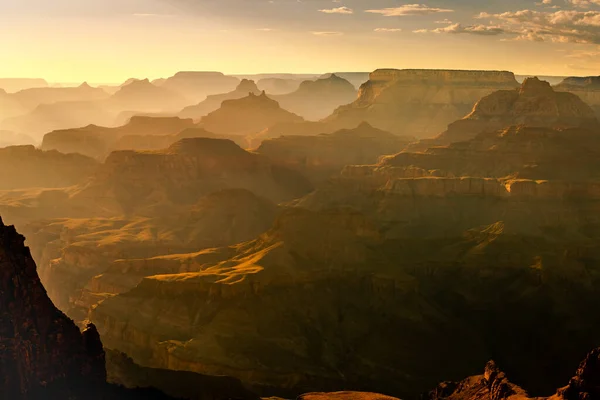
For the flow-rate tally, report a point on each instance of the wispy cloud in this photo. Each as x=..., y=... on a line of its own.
x=320, y=33
x=338, y=10
x=388, y=30
x=483, y=30
x=409, y=9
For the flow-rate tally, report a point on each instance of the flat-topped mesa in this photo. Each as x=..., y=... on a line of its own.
x=576, y=82
x=43, y=353
x=587, y=88
x=447, y=77
x=198, y=74
x=418, y=103
x=141, y=124
x=207, y=147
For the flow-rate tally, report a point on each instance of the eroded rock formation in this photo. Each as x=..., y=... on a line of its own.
x=247, y=115
x=534, y=104
x=42, y=352
x=317, y=99
x=494, y=385
x=322, y=156
x=28, y=167
x=98, y=141
x=213, y=102
x=418, y=103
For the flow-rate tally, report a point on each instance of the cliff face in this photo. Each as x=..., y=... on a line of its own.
x=213, y=102
x=418, y=102
x=247, y=115
x=43, y=353
x=534, y=104
x=317, y=99
x=586, y=88
x=515, y=152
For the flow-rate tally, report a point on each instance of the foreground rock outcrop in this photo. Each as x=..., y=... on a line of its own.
x=495, y=385
x=41, y=350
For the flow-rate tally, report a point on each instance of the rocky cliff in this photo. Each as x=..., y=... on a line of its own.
x=418, y=103
x=494, y=385
x=43, y=353
x=586, y=88
x=213, y=102
x=145, y=182
x=248, y=115
x=534, y=104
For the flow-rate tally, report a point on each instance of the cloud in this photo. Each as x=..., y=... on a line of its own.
x=319, y=33
x=483, y=30
x=409, y=9
x=338, y=10
x=388, y=30
x=584, y=3
x=265, y=29
x=564, y=26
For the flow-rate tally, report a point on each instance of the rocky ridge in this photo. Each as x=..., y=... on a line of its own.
x=213, y=102
x=43, y=351
x=322, y=156
x=534, y=104
x=247, y=115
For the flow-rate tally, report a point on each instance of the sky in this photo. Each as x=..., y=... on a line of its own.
x=110, y=41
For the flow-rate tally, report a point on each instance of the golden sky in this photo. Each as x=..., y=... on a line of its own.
x=112, y=40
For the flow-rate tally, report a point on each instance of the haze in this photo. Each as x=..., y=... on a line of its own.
x=110, y=41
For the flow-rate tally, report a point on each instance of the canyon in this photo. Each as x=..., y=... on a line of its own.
x=358, y=252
